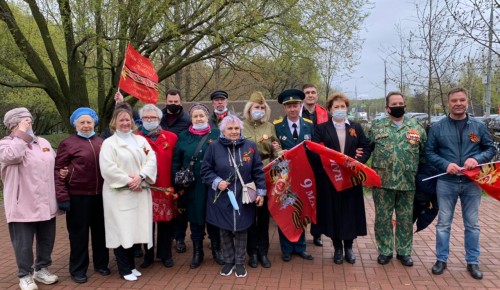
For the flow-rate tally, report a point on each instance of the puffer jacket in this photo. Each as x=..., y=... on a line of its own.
x=444, y=145
x=81, y=156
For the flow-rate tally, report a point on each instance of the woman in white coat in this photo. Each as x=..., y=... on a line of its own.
x=128, y=162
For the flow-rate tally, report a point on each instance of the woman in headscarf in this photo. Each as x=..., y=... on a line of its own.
x=229, y=163
x=80, y=195
x=199, y=135
x=127, y=163
x=27, y=163
x=258, y=129
x=164, y=205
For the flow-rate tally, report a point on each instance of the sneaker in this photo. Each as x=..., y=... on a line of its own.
x=44, y=276
x=27, y=283
x=130, y=277
x=240, y=271
x=227, y=269
x=136, y=273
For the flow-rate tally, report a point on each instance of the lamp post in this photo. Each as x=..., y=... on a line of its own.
x=356, y=93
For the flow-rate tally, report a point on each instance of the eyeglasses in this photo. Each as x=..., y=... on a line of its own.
x=149, y=119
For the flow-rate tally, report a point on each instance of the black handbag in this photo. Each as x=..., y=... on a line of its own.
x=185, y=176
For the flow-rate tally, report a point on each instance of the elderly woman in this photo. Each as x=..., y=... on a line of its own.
x=191, y=147
x=127, y=163
x=341, y=215
x=257, y=129
x=27, y=164
x=164, y=205
x=229, y=163
x=80, y=195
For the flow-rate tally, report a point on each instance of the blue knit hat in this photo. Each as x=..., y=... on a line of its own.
x=83, y=111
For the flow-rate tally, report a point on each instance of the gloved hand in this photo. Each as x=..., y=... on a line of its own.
x=64, y=206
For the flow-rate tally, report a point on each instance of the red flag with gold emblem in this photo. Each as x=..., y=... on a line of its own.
x=487, y=176
x=344, y=171
x=139, y=77
x=291, y=192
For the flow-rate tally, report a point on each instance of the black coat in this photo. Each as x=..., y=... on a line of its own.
x=340, y=215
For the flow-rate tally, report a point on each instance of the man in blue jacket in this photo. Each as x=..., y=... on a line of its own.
x=455, y=143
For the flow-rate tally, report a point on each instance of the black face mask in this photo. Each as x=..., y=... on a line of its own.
x=397, y=112
x=174, y=109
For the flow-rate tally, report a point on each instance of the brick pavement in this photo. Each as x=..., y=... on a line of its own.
x=321, y=273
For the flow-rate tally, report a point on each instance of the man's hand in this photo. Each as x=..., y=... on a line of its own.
x=453, y=168
x=470, y=163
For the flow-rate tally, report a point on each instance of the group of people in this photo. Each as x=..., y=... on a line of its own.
x=122, y=190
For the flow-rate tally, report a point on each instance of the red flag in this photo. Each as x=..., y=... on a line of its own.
x=291, y=192
x=344, y=172
x=487, y=176
x=139, y=77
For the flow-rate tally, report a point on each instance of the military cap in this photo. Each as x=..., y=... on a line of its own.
x=218, y=94
x=257, y=97
x=291, y=96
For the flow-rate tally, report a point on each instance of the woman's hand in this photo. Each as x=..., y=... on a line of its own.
x=24, y=125
x=223, y=185
x=259, y=200
x=359, y=152
x=135, y=183
x=63, y=172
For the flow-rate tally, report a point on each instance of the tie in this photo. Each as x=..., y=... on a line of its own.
x=295, y=134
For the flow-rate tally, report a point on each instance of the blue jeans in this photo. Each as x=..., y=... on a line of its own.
x=470, y=199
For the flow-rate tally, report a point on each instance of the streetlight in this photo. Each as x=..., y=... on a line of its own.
x=356, y=93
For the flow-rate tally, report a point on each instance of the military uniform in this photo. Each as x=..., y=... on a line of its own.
x=285, y=137
x=395, y=158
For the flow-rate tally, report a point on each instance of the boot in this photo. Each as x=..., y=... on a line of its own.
x=216, y=252
x=197, y=254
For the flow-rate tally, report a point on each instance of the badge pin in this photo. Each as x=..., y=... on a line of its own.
x=307, y=137
x=283, y=138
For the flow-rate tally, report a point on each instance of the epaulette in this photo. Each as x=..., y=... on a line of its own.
x=277, y=121
x=308, y=120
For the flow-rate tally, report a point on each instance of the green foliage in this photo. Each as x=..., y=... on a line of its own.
x=55, y=139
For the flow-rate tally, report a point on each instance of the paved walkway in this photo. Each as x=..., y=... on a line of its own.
x=321, y=273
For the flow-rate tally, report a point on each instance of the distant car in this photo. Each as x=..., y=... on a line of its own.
x=494, y=126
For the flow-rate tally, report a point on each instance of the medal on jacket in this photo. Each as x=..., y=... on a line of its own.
x=283, y=138
x=413, y=136
x=474, y=138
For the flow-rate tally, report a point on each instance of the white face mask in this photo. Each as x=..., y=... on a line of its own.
x=200, y=126
x=258, y=114
x=218, y=112
x=339, y=114
x=150, y=125
x=31, y=133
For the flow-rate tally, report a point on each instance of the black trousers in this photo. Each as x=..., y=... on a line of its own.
x=22, y=235
x=124, y=260
x=198, y=232
x=258, y=233
x=315, y=231
x=180, y=226
x=163, y=241
x=86, y=217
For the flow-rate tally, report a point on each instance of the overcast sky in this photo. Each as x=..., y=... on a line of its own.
x=379, y=32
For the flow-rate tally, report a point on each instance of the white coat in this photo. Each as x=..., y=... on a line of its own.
x=128, y=215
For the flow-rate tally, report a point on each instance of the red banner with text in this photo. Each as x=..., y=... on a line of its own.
x=291, y=192
x=139, y=77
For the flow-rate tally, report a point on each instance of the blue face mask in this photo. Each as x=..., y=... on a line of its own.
x=339, y=114
x=200, y=126
x=86, y=136
x=150, y=125
x=258, y=114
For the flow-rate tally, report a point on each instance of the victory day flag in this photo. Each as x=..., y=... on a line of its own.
x=139, y=77
x=291, y=192
x=487, y=176
x=344, y=172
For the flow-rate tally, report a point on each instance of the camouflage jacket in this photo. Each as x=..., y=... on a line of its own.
x=397, y=152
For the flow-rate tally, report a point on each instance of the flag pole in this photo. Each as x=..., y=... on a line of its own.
x=444, y=173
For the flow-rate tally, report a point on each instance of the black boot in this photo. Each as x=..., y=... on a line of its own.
x=216, y=252
x=197, y=254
